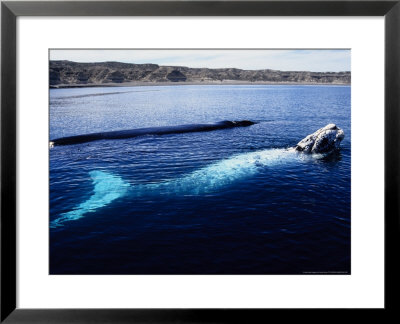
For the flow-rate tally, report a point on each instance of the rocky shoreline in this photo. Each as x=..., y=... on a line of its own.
x=150, y=84
x=67, y=74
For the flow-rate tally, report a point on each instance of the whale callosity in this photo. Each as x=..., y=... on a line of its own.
x=324, y=140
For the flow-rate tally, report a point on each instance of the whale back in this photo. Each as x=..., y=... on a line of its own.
x=160, y=130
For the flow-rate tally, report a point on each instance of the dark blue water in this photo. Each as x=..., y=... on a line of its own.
x=190, y=203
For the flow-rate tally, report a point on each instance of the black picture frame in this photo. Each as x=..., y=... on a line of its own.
x=10, y=10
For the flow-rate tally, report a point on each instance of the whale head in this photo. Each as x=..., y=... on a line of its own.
x=324, y=140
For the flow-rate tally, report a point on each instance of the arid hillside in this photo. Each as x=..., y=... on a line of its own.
x=67, y=73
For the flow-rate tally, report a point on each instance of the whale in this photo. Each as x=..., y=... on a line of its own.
x=162, y=130
x=216, y=176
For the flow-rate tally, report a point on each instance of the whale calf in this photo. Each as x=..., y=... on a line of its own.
x=163, y=130
x=216, y=176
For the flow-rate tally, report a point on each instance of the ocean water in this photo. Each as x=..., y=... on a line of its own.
x=232, y=201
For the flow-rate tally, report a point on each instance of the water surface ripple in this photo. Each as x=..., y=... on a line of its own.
x=284, y=218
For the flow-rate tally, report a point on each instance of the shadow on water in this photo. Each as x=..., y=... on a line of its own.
x=333, y=157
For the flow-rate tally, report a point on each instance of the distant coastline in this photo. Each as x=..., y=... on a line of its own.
x=68, y=74
x=150, y=84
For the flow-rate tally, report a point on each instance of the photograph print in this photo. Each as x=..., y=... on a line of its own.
x=197, y=162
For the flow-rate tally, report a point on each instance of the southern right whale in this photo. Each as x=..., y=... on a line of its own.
x=109, y=187
x=161, y=130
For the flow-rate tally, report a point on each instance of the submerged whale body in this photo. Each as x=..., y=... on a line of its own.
x=163, y=130
x=108, y=187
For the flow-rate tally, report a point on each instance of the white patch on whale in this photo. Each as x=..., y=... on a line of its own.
x=221, y=174
x=108, y=187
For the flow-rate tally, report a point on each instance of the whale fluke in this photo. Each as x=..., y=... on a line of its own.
x=163, y=130
x=106, y=188
x=324, y=140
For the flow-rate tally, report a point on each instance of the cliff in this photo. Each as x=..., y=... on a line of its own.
x=67, y=73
